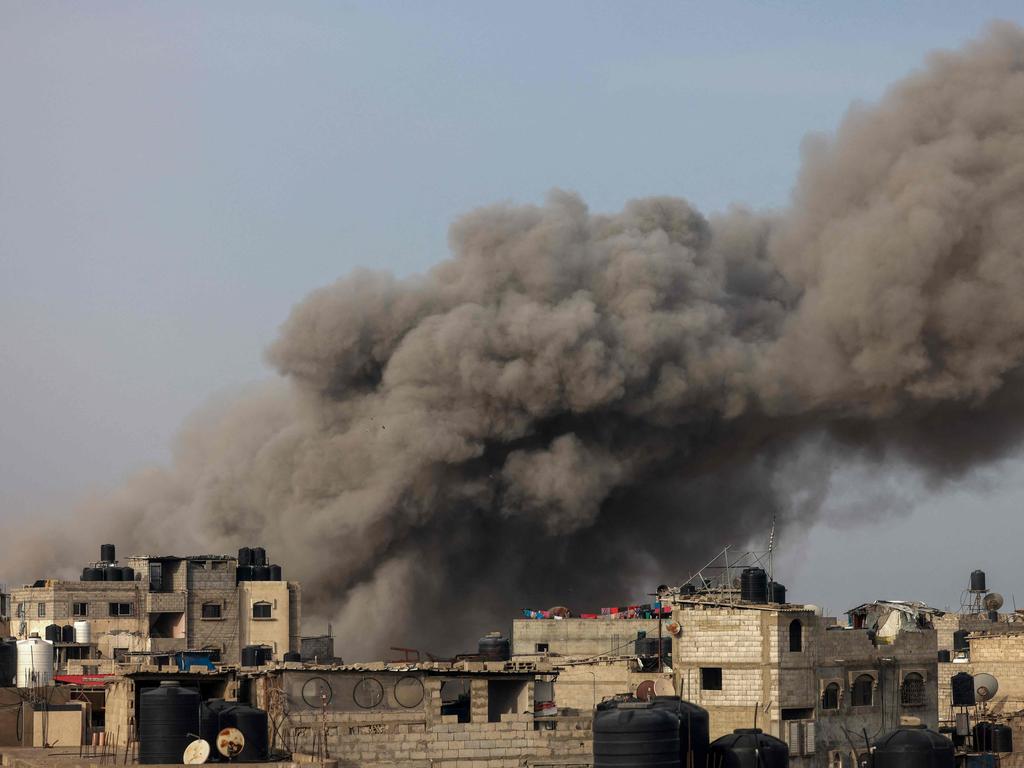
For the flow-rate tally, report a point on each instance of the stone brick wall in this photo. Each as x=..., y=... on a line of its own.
x=210, y=585
x=580, y=637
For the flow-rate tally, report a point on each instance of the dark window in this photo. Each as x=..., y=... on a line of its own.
x=79, y=609
x=912, y=692
x=541, y=647
x=261, y=610
x=711, y=678
x=120, y=609
x=830, y=696
x=156, y=577
x=862, y=694
x=211, y=610
x=796, y=636
x=41, y=609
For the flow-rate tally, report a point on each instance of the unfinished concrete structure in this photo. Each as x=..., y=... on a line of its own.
x=172, y=604
x=421, y=715
x=800, y=676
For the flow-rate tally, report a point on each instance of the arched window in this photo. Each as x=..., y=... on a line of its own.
x=796, y=636
x=830, y=696
x=862, y=693
x=261, y=610
x=912, y=691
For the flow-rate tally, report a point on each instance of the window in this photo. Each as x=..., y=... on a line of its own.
x=796, y=636
x=261, y=610
x=711, y=678
x=912, y=691
x=120, y=609
x=21, y=610
x=41, y=609
x=830, y=696
x=79, y=609
x=211, y=610
x=541, y=648
x=862, y=694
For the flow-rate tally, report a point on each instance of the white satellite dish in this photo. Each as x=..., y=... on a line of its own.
x=985, y=686
x=663, y=686
x=230, y=742
x=196, y=753
x=993, y=601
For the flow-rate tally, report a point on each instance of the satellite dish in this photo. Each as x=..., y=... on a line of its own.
x=197, y=753
x=985, y=686
x=560, y=612
x=673, y=628
x=646, y=690
x=993, y=601
x=230, y=742
x=663, y=686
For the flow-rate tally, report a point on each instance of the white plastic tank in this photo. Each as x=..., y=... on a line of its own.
x=82, y=632
x=35, y=663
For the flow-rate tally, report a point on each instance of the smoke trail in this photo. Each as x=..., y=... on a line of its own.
x=574, y=402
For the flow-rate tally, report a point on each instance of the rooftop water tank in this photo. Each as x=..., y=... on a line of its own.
x=748, y=748
x=694, y=727
x=913, y=746
x=83, y=635
x=494, y=647
x=275, y=573
x=52, y=633
x=754, y=585
x=244, y=556
x=259, y=556
x=107, y=553
x=978, y=581
x=35, y=663
x=250, y=721
x=776, y=592
x=8, y=661
x=636, y=735
x=261, y=573
x=113, y=573
x=92, y=574
x=993, y=737
x=67, y=633
x=168, y=722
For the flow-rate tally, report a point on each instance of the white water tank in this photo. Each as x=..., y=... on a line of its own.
x=35, y=663
x=82, y=633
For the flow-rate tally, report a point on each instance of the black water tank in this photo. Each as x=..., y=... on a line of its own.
x=494, y=647
x=944, y=657
x=244, y=573
x=250, y=721
x=962, y=688
x=913, y=746
x=52, y=633
x=252, y=655
x=292, y=656
x=275, y=573
x=754, y=585
x=993, y=616
x=168, y=722
x=8, y=661
x=259, y=556
x=244, y=556
x=92, y=574
x=977, y=581
x=993, y=737
x=748, y=748
x=107, y=553
x=261, y=573
x=113, y=573
x=67, y=633
x=127, y=573
x=960, y=642
x=776, y=592
x=694, y=728
x=636, y=735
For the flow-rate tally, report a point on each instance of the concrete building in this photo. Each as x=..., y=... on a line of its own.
x=801, y=676
x=472, y=714
x=170, y=604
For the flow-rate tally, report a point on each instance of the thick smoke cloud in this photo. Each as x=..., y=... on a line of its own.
x=577, y=406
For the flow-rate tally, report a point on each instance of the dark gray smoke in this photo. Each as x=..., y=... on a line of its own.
x=574, y=404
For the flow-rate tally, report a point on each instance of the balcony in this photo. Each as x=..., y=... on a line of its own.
x=165, y=602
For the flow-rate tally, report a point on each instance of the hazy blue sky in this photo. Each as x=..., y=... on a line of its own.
x=174, y=176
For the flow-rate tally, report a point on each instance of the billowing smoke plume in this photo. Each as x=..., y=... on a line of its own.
x=575, y=403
